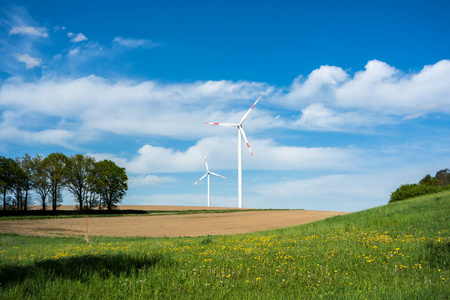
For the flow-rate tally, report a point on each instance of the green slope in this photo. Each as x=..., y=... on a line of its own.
x=397, y=251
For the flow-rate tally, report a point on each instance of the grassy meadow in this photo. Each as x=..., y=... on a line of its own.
x=397, y=251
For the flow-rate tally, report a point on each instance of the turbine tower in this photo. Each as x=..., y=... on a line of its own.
x=207, y=174
x=240, y=132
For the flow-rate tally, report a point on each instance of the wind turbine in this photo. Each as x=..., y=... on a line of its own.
x=240, y=132
x=207, y=174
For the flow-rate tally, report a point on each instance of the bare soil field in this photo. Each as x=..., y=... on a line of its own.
x=167, y=225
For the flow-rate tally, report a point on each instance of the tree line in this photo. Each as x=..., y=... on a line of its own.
x=93, y=184
x=427, y=185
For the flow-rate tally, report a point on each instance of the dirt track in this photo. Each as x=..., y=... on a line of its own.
x=168, y=225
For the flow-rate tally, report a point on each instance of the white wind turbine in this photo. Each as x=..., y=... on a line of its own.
x=240, y=132
x=207, y=174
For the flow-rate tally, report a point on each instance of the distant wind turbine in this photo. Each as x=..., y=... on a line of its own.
x=240, y=132
x=207, y=174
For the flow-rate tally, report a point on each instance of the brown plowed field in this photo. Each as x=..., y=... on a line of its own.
x=168, y=225
x=148, y=207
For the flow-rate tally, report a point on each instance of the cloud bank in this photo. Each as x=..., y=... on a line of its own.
x=379, y=88
x=329, y=99
x=269, y=156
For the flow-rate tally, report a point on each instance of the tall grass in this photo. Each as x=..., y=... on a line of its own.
x=398, y=251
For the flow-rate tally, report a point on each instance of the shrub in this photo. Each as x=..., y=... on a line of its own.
x=414, y=190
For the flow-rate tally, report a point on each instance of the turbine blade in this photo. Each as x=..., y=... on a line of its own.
x=200, y=179
x=245, y=139
x=223, y=124
x=218, y=175
x=245, y=116
x=206, y=162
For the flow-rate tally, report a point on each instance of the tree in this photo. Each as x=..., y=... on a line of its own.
x=6, y=177
x=55, y=169
x=26, y=165
x=443, y=177
x=40, y=179
x=94, y=197
x=428, y=180
x=19, y=187
x=110, y=182
x=79, y=168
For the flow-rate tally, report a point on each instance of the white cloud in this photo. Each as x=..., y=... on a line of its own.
x=146, y=180
x=318, y=117
x=31, y=130
x=379, y=88
x=29, y=30
x=135, y=43
x=53, y=137
x=29, y=61
x=74, y=52
x=269, y=155
x=412, y=117
x=320, y=85
x=86, y=53
x=76, y=38
x=383, y=88
x=136, y=108
x=222, y=154
x=20, y=41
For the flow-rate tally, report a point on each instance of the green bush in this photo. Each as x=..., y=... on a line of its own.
x=414, y=190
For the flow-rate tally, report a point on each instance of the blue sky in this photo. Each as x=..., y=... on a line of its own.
x=355, y=95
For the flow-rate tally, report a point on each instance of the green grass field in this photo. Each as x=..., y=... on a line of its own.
x=397, y=251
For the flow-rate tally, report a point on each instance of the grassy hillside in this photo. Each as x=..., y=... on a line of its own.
x=398, y=251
